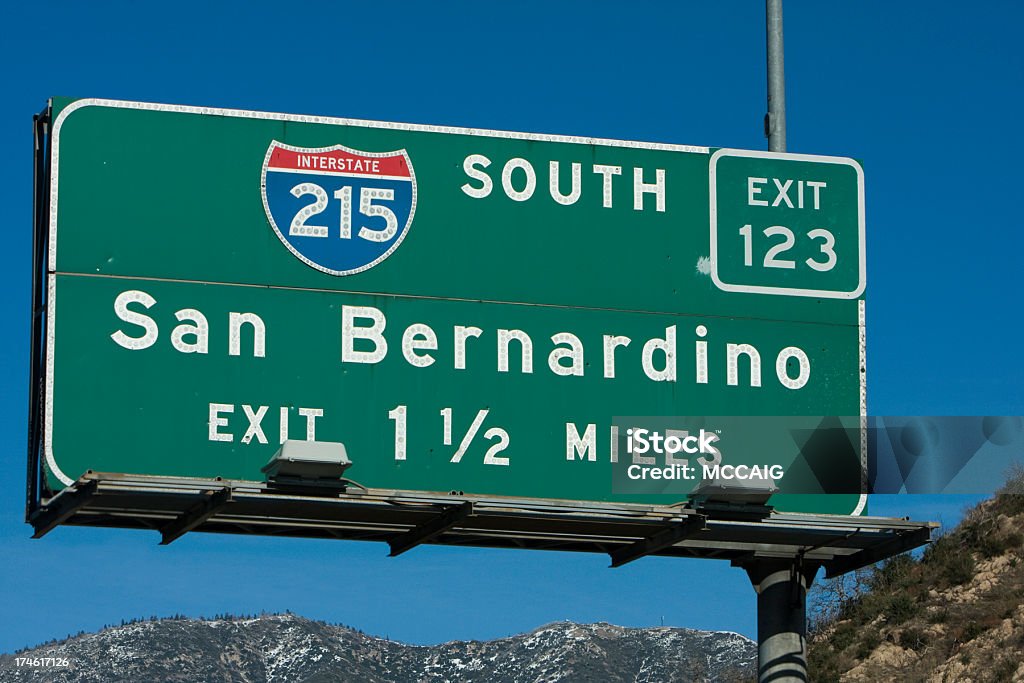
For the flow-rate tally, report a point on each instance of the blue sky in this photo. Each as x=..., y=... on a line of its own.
x=927, y=95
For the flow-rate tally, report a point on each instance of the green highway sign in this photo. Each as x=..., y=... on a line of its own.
x=465, y=310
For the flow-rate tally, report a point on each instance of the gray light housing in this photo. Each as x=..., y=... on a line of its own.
x=310, y=460
x=755, y=491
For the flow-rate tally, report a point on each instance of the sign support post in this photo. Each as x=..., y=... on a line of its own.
x=782, y=584
x=775, y=119
x=781, y=587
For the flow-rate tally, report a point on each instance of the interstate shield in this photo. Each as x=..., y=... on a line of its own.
x=337, y=209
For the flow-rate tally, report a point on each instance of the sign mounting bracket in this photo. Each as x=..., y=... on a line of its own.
x=427, y=531
x=212, y=502
x=63, y=508
x=868, y=556
x=665, y=538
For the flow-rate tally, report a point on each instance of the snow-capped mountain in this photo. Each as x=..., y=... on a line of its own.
x=288, y=649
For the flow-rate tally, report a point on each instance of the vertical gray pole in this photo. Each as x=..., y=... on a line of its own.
x=775, y=120
x=781, y=587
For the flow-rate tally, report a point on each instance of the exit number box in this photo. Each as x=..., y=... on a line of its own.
x=787, y=224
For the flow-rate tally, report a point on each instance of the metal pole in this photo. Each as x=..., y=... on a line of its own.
x=39, y=170
x=775, y=119
x=781, y=587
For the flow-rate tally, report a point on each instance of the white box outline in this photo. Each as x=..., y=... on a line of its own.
x=785, y=291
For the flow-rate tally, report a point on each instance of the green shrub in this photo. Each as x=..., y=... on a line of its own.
x=971, y=631
x=914, y=638
x=1009, y=504
x=938, y=551
x=960, y=569
x=868, y=643
x=900, y=607
x=1010, y=498
x=957, y=568
x=867, y=608
x=992, y=544
x=1004, y=670
x=823, y=664
x=844, y=635
x=892, y=573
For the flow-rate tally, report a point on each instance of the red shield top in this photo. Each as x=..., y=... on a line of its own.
x=338, y=162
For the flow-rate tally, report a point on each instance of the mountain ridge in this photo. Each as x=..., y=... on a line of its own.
x=286, y=648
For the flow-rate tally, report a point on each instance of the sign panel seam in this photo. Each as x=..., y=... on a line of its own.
x=425, y=297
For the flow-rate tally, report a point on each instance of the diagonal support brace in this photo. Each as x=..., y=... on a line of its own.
x=212, y=502
x=429, y=530
x=665, y=538
x=62, y=507
x=863, y=558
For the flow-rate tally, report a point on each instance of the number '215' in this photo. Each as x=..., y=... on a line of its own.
x=771, y=257
x=367, y=207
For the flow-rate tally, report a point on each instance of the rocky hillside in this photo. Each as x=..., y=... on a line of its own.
x=957, y=614
x=287, y=648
